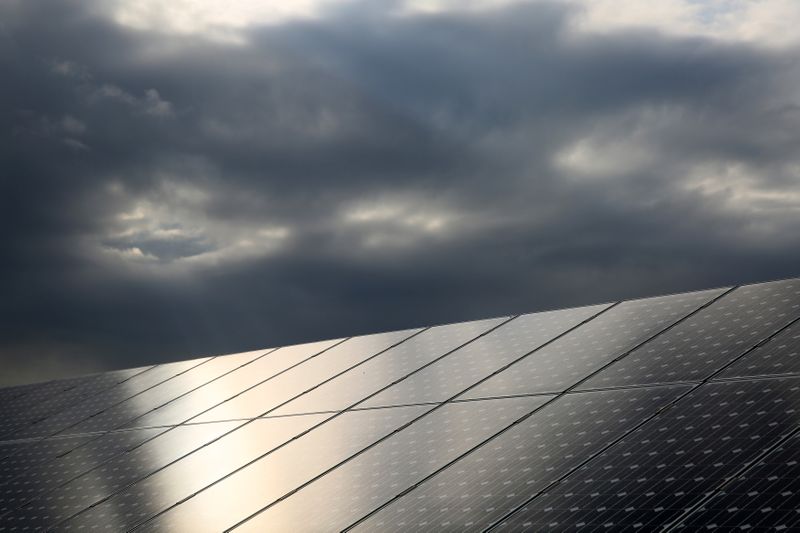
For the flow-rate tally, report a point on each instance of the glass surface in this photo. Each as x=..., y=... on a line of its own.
x=24, y=455
x=275, y=473
x=258, y=373
x=563, y=363
x=191, y=380
x=480, y=358
x=389, y=367
x=500, y=475
x=779, y=355
x=139, y=384
x=50, y=399
x=384, y=471
x=60, y=468
x=75, y=482
x=706, y=341
x=765, y=497
x=316, y=372
x=649, y=478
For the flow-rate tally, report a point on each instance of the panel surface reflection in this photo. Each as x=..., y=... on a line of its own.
x=468, y=365
x=261, y=370
x=569, y=359
x=502, y=474
x=268, y=478
x=98, y=403
x=780, y=355
x=706, y=341
x=765, y=497
x=651, y=476
x=389, y=367
x=373, y=478
x=265, y=398
x=162, y=394
x=52, y=397
x=79, y=480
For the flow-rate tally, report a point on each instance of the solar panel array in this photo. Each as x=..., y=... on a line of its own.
x=674, y=413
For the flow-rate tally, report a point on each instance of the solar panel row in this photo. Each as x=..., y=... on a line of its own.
x=671, y=412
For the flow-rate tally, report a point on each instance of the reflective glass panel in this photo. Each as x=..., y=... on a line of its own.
x=231, y=385
x=779, y=355
x=76, y=481
x=265, y=398
x=709, y=339
x=384, y=471
x=649, y=478
x=765, y=497
x=564, y=362
x=162, y=394
x=391, y=366
x=480, y=358
x=95, y=404
x=503, y=473
x=279, y=471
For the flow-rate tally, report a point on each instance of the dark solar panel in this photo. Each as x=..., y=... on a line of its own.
x=503, y=473
x=649, y=478
x=706, y=341
x=675, y=412
x=468, y=365
x=766, y=496
x=566, y=361
x=780, y=355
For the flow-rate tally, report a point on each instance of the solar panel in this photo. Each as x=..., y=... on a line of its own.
x=376, y=476
x=348, y=373
x=566, y=361
x=677, y=413
x=652, y=475
x=765, y=496
x=706, y=341
x=265, y=398
x=284, y=461
x=779, y=355
x=504, y=472
x=482, y=357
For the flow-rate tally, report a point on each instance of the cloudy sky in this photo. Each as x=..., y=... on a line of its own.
x=210, y=177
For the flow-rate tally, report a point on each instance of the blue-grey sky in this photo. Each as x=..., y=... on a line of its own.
x=187, y=178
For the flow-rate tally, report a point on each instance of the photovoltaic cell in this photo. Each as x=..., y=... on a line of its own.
x=408, y=359
x=569, y=359
x=765, y=497
x=51, y=399
x=676, y=412
x=92, y=405
x=72, y=483
x=279, y=471
x=649, y=478
x=478, y=359
x=780, y=355
x=384, y=471
x=709, y=339
x=502, y=474
x=264, y=398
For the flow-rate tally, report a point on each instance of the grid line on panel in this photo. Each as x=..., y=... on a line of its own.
x=56, y=433
x=714, y=491
x=93, y=436
x=334, y=415
x=697, y=385
x=247, y=420
x=437, y=406
x=568, y=390
x=57, y=410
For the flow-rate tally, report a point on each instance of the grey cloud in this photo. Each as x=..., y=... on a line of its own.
x=166, y=196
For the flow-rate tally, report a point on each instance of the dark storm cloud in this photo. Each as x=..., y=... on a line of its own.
x=167, y=195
